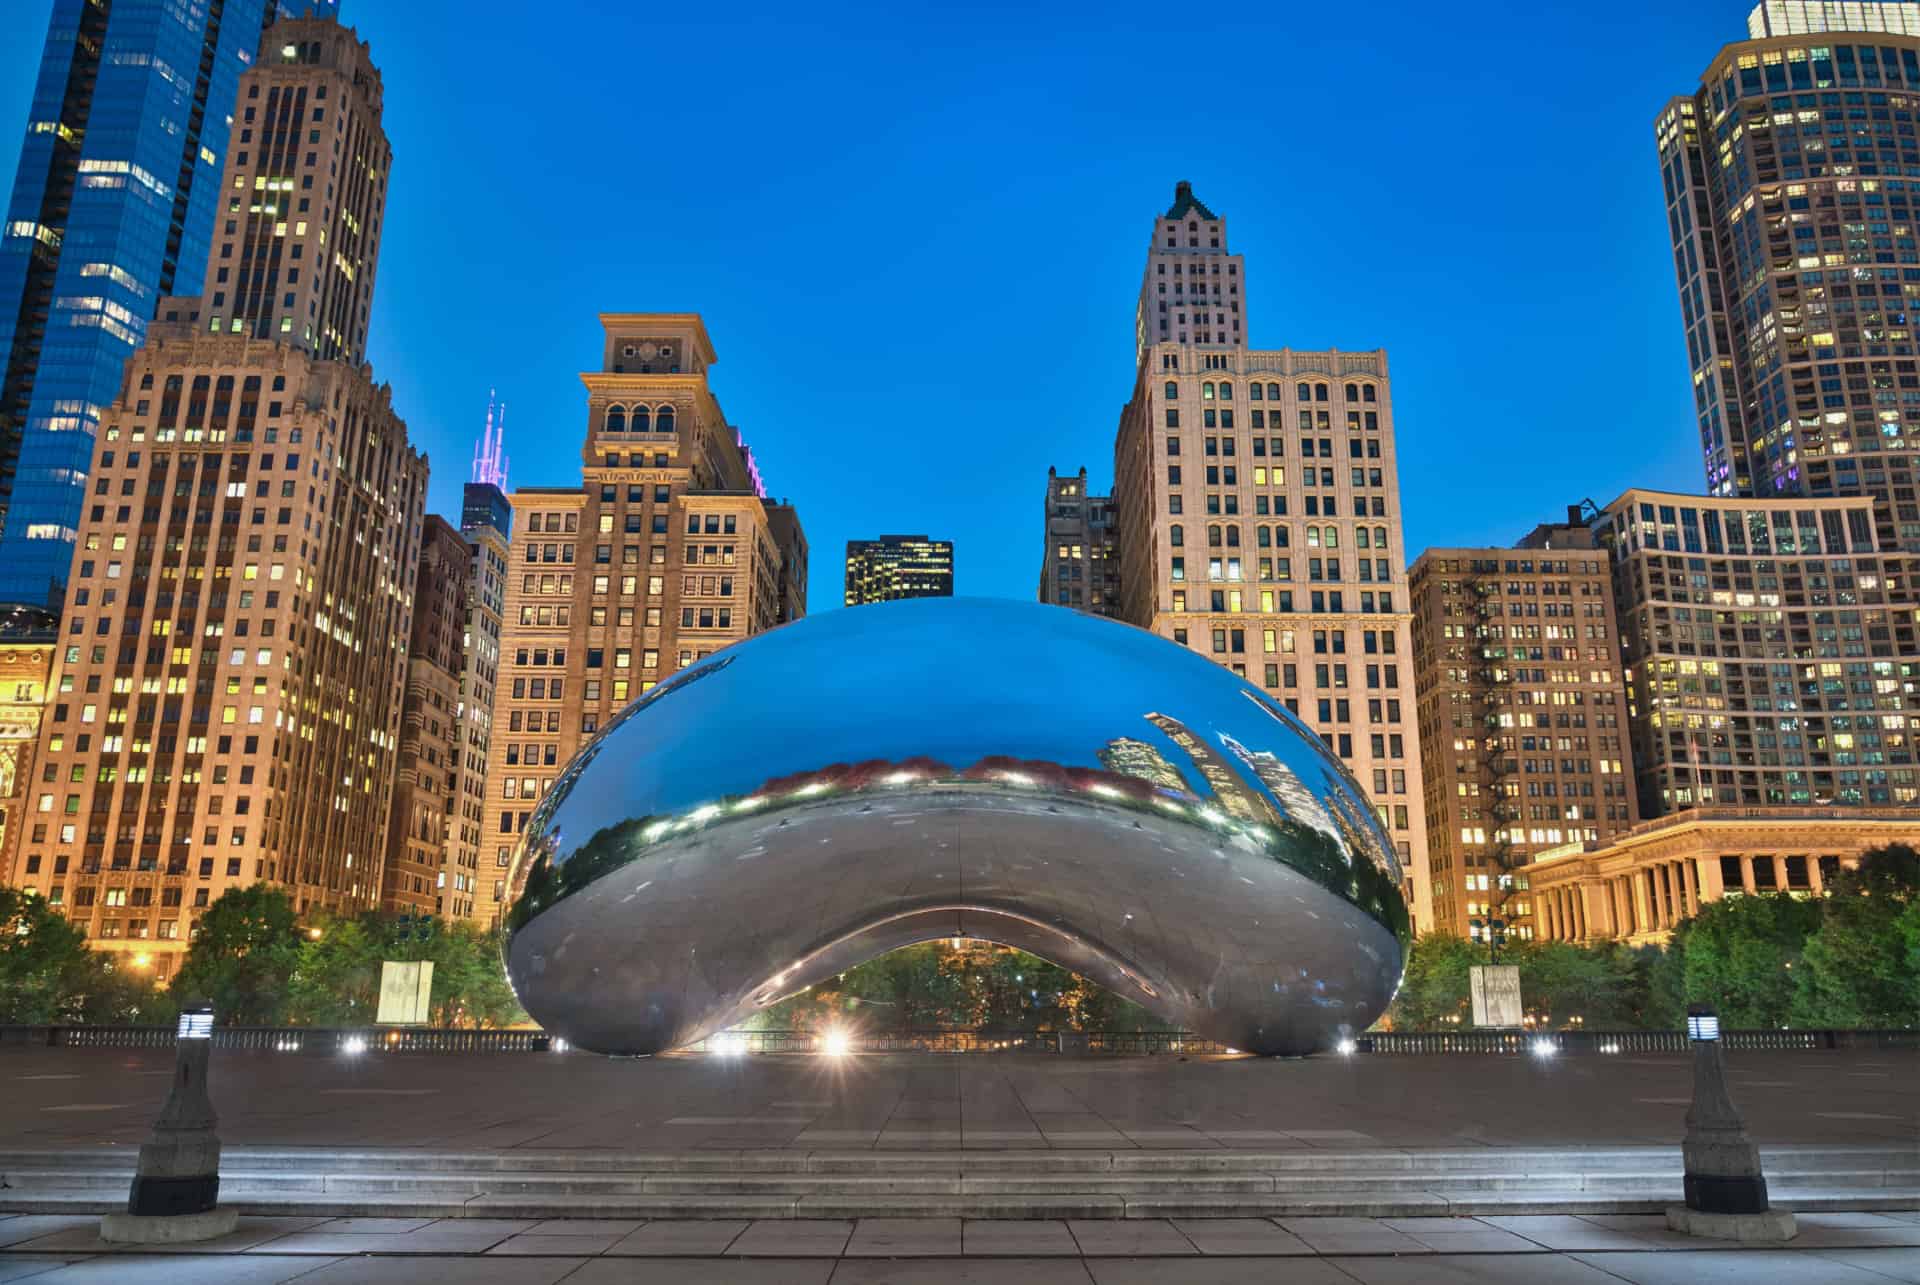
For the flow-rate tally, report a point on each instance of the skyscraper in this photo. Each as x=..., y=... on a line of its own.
x=486, y=521
x=113, y=205
x=1792, y=186
x=890, y=567
x=1080, y=556
x=1522, y=717
x=1258, y=511
x=664, y=553
x=228, y=695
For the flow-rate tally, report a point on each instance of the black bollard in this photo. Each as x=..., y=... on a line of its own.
x=1726, y=1193
x=176, y=1186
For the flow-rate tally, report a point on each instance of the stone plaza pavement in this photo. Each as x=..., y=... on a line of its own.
x=1832, y=1249
x=53, y=1098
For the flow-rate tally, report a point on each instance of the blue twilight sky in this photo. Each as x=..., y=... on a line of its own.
x=917, y=232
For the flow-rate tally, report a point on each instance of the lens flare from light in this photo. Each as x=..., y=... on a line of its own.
x=836, y=1043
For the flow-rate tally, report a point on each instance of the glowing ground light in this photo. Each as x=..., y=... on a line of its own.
x=835, y=1043
x=1544, y=1048
x=1346, y=1048
x=353, y=1046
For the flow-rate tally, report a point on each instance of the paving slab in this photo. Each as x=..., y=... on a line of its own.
x=794, y=1238
x=674, y=1238
x=703, y=1271
x=1216, y=1271
x=905, y=1237
x=1130, y=1237
x=1730, y=1267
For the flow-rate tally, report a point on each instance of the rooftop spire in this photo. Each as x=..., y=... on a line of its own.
x=489, y=455
x=1184, y=201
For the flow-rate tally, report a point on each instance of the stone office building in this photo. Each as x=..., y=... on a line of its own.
x=1257, y=502
x=664, y=553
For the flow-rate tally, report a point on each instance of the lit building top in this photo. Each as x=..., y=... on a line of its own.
x=1812, y=17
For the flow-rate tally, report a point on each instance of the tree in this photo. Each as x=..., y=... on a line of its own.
x=337, y=980
x=1435, y=991
x=1741, y=953
x=1857, y=969
x=243, y=957
x=45, y=966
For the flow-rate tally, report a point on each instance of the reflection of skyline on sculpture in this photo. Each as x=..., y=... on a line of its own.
x=768, y=827
x=1229, y=787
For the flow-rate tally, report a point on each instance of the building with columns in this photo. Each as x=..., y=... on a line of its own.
x=664, y=553
x=1641, y=884
x=1257, y=504
x=232, y=668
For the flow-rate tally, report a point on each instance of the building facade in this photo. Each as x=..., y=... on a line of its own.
x=791, y=540
x=233, y=661
x=28, y=639
x=426, y=789
x=1770, y=652
x=112, y=209
x=891, y=567
x=1792, y=178
x=486, y=521
x=1522, y=720
x=664, y=553
x=1258, y=509
x=1638, y=886
x=1080, y=558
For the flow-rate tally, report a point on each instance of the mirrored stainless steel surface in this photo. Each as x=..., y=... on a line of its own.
x=883, y=775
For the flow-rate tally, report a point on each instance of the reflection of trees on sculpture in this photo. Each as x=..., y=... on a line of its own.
x=976, y=986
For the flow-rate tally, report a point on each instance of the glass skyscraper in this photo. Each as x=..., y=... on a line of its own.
x=112, y=207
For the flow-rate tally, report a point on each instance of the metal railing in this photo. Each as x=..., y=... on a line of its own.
x=373, y=1040
x=291, y=1039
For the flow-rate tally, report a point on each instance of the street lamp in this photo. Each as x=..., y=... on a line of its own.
x=176, y=1185
x=1726, y=1193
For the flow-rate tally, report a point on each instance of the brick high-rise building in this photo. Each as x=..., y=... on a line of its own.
x=1080, y=561
x=113, y=204
x=426, y=786
x=890, y=567
x=1258, y=510
x=1522, y=718
x=228, y=693
x=1770, y=649
x=1792, y=207
x=665, y=553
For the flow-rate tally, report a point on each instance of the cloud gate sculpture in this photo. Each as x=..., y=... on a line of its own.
x=874, y=777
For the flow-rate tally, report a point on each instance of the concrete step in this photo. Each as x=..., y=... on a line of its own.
x=1357, y=1203
x=800, y=1161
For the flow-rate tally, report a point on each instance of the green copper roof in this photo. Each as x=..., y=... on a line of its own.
x=1185, y=202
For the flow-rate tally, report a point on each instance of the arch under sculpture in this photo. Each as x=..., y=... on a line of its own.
x=883, y=775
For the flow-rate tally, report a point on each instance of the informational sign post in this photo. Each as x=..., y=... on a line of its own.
x=406, y=992
x=1496, y=994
